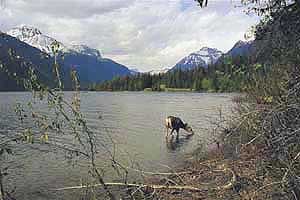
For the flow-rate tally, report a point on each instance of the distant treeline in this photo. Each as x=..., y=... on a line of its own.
x=227, y=75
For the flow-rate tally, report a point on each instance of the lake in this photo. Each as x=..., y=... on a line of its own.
x=133, y=120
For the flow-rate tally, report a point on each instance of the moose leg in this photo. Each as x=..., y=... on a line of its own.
x=167, y=134
x=177, y=136
x=172, y=131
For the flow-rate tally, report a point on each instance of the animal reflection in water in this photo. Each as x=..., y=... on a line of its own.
x=175, y=145
x=175, y=124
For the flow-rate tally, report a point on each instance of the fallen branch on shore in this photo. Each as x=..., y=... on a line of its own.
x=162, y=187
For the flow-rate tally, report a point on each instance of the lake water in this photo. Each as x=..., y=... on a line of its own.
x=134, y=120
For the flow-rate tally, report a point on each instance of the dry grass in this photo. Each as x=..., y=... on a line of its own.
x=213, y=176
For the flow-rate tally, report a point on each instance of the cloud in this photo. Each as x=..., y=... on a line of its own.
x=69, y=8
x=141, y=34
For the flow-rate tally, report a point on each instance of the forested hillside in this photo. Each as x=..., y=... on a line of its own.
x=227, y=75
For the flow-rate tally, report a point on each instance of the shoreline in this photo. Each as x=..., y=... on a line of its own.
x=215, y=176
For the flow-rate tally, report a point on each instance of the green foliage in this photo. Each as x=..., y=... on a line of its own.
x=207, y=84
x=268, y=115
x=227, y=75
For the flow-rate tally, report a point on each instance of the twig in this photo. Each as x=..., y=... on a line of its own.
x=263, y=187
x=159, y=187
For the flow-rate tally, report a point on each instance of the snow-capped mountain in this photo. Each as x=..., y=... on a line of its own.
x=89, y=64
x=209, y=55
x=34, y=37
x=84, y=49
x=203, y=58
x=24, y=56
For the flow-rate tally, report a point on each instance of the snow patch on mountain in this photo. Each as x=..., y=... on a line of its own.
x=34, y=37
x=204, y=57
x=209, y=55
x=84, y=49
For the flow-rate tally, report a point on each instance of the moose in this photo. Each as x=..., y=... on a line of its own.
x=175, y=123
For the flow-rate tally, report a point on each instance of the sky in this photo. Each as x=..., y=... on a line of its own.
x=141, y=34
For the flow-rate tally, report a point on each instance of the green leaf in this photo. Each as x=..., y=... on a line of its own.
x=257, y=66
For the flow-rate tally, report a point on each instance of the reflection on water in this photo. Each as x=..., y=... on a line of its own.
x=135, y=121
x=174, y=144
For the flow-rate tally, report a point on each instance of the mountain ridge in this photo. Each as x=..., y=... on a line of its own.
x=34, y=37
x=240, y=48
x=91, y=66
x=203, y=57
x=17, y=57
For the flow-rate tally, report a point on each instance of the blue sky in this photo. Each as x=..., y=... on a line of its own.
x=143, y=34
